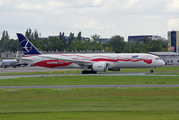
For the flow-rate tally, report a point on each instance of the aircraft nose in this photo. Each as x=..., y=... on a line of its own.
x=162, y=63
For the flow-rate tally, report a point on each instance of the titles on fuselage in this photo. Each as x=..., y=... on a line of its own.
x=56, y=62
x=136, y=56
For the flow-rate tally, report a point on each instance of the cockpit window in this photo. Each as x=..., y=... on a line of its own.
x=157, y=58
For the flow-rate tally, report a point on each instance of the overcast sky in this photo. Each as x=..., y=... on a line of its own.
x=103, y=17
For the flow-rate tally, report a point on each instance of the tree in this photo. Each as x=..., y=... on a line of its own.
x=117, y=43
x=79, y=45
x=12, y=45
x=55, y=43
x=88, y=45
x=5, y=41
x=62, y=38
x=94, y=45
x=144, y=40
x=72, y=46
x=71, y=38
x=95, y=37
x=79, y=36
x=100, y=46
x=46, y=45
x=36, y=35
x=29, y=35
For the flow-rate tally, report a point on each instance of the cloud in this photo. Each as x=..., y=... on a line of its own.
x=85, y=23
x=129, y=4
x=90, y=2
x=173, y=24
x=93, y=6
x=106, y=17
x=4, y=2
x=173, y=6
x=97, y=2
x=49, y=6
x=89, y=23
x=1, y=2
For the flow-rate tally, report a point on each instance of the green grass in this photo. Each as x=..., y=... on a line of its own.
x=43, y=72
x=159, y=69
x=90, y=103
x=172, y=73
x=90, y=80
x=93, y=116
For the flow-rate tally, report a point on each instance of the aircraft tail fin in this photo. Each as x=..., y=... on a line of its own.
x=27, y=47
x=17, y=55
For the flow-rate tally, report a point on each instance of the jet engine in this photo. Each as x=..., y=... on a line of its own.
x=100, y=66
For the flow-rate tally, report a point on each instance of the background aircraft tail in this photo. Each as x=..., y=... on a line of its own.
x=27, y=46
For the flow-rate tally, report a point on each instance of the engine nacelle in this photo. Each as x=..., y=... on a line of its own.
x=100, y=66
x=114, y=69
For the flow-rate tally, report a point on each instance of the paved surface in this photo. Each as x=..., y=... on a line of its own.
x=27, y=69
x=37, y=69
x=86, y=86
x=99, y=74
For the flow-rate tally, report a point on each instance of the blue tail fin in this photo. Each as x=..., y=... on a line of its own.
x=27, y=46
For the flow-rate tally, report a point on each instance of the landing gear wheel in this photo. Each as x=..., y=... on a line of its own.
x=83, y=72
x=93, y=72
x=88, y=72
x=151, y=71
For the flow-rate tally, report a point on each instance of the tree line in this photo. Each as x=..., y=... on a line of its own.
x=58, y=43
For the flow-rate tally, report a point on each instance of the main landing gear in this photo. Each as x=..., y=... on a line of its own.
x=89, y=72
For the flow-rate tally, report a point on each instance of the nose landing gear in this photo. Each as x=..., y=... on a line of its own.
x=152, y=70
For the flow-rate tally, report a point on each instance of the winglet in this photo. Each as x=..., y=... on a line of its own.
x=27, y=46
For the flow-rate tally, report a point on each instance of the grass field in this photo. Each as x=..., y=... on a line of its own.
x=90, y=103
x=90, y=80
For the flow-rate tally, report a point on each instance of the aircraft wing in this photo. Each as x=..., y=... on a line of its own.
x=27, y=59
x=74, y=60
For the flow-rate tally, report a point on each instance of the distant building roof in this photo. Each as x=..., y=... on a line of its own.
x=151, y=37
x=164, y=53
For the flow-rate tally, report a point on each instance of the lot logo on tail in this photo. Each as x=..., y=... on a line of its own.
x=26, y=46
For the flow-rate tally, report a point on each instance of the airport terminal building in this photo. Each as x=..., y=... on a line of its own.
x=173, y=37
x=103, y=40
x=170, y=58
x=151, y=37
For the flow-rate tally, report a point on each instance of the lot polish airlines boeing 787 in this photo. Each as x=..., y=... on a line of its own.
x=95, y=62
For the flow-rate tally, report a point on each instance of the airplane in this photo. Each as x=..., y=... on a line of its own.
x=10, y=62
x=95, y=62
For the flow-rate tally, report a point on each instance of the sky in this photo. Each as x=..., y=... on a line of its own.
x=103, y=17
